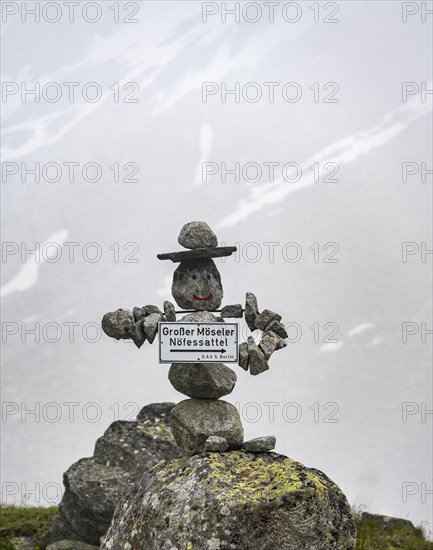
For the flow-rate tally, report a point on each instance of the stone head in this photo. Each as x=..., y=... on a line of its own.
x=197, y=285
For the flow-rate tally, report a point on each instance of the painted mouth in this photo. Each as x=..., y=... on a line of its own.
x=202, y=299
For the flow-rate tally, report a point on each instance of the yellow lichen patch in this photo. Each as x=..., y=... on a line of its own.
x=240, y=480
x=158, y=431
x=189, y=546
x=233, y=478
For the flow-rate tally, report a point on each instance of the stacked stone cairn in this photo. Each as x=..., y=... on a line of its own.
x=204, y=422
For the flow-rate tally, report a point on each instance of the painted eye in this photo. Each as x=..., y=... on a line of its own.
x=208, y=276
x=194, y=276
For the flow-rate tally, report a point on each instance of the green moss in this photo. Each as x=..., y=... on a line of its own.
x=6, y=544
x=24, y=521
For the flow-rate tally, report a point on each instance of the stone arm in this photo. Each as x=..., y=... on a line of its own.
x=255, y=357
x=140, y=324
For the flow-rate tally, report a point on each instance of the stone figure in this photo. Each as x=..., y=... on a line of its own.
x=204, y=422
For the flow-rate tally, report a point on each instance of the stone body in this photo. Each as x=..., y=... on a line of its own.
x=233, y=501
x=197, y=286
x=194, y=420
x=93, y=486
x=202, y=380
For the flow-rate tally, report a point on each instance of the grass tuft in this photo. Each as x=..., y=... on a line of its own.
x=23, y=521
x=373, y=534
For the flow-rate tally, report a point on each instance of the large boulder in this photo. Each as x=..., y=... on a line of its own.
x=93, y=486
x=233, y=501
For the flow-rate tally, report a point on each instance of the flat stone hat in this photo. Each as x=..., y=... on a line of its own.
x=200, y=241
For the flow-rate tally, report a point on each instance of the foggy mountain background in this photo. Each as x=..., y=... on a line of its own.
x=364, y=378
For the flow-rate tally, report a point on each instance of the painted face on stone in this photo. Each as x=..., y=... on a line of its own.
x=197, y=285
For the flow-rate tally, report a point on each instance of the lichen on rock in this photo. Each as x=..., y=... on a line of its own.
x=233, y=501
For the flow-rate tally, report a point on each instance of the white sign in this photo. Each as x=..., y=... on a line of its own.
x=198, y=342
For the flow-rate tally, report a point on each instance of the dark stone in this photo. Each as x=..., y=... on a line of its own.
x=139, y=313
x=269, y=343
x=199, y=253
x=125, y=444
x=216, y=444
x=169, y=312
x=136, y=332
x=278, y=328
x=251, y=311
x=149, y=309
x=256, y=358
x=265, y=318
x=260, y=444
x=93, y=486
x=202, y=380
x=243, y=355
x=154, y=413
x=150, y=325
x=59, y=530
x=234, y=311
x=92, y=491
x=233, y=501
